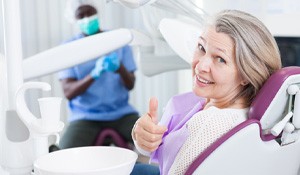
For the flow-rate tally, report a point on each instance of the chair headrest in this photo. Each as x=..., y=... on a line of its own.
x=269, y=106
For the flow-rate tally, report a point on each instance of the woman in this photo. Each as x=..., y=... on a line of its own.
x=235, y=55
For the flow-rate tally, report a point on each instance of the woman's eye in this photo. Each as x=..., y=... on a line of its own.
x=201, y=48
x=221, y=60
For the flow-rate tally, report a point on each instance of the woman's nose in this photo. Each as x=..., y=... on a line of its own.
x=204, y=64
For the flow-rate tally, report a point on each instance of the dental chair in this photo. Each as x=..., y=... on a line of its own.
x=267, y=143
x=110, y=136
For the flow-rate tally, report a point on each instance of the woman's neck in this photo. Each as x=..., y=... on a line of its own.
x=237, y=104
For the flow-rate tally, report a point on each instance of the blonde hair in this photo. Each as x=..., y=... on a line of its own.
x=257, y=54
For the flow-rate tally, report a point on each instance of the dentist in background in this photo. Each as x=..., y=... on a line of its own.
x=98, y=90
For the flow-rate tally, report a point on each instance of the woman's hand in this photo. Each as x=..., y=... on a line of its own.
x=147, y=133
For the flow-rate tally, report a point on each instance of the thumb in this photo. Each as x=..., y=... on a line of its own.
x=153, y=105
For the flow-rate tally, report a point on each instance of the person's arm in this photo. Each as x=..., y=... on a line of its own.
x=73, y=87
x=127, y=77
x=147, y=134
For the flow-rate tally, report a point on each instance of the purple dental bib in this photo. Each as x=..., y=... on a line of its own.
x=178, y=111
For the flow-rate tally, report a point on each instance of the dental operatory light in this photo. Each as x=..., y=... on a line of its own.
x=181, y=7
x=185, y=16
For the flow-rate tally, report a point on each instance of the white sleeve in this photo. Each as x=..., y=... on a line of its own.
x=140, y=150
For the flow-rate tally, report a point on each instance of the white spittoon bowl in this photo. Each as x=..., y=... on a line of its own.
x=94, y=160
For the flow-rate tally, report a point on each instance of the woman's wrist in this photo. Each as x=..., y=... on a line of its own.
x=132, y=131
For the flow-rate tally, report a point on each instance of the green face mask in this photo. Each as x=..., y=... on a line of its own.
x=89, y=25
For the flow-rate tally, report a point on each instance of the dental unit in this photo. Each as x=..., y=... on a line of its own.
x=270, y=138
x=22, y=136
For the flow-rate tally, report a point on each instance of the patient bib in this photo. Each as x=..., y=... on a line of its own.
x=178, y=111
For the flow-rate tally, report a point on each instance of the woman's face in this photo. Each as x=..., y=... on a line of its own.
x=215, y=73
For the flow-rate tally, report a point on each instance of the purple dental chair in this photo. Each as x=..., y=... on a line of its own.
x=111, y=136
x=265, y=144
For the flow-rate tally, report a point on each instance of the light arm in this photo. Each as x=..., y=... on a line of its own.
x=73, y=53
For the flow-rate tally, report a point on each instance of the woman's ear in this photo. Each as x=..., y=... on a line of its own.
x=244, y=83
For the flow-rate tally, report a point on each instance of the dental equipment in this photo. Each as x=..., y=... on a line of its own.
x=288, y=134
x=40, y=129
x=186, y=40
x=64, y=56
x=277, y=129
x=181, y=12
x=16, y=143
x=187, y=8
x=106, y=160
x=249, y=148
x=17, y=152
x=296, y=119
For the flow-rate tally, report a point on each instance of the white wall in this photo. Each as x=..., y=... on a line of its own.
x=44, y=26
x=280, y=16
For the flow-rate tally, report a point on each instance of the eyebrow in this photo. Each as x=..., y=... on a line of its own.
x=219, y=49
x=200, y=37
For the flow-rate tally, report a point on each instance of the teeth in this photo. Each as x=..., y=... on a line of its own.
x=203, y=81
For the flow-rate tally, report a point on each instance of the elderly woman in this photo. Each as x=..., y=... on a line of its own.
x=235, y=55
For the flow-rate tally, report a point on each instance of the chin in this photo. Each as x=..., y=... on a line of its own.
x=198, y=93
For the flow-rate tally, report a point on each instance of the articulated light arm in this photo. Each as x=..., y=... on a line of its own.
x=73, y=53
x=187, y=19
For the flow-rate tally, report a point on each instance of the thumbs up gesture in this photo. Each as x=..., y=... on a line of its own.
x=147, y=133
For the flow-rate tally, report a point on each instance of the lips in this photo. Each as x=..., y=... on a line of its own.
x=204, y=81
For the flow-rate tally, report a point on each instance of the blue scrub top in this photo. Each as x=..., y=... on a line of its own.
x=107, y=98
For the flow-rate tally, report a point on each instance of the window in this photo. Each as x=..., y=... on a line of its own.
x=289, y=50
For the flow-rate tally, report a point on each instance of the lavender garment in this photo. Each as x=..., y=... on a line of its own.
x=178, y=111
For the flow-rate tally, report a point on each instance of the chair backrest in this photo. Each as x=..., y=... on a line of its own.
x=266, y=110
x=270, y=104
